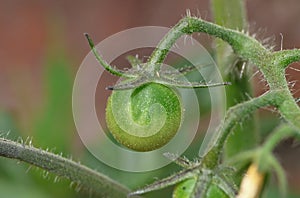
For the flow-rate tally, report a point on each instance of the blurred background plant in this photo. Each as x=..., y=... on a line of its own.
x=42, y=46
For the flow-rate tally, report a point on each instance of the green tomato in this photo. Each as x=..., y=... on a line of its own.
x=145, y=118
x=185, y=190
x=215, y=192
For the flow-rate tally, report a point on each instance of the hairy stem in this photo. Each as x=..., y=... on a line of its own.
x=239, y=113
x=89, y=180
x=246, y=47
x=235, y=116
x=289, y=110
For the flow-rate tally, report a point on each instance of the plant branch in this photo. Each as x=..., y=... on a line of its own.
x=238, y=113
x=285, y=57
x=245, y=46
x=235, y=116
x=289, y=110
x=88, y=179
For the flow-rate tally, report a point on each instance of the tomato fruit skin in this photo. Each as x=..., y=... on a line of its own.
x=145, y=118
x=185, y=190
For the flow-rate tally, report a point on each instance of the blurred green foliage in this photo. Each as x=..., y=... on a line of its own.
x=54, y=126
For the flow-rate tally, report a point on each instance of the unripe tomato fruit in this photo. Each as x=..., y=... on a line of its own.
x=145, y=118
